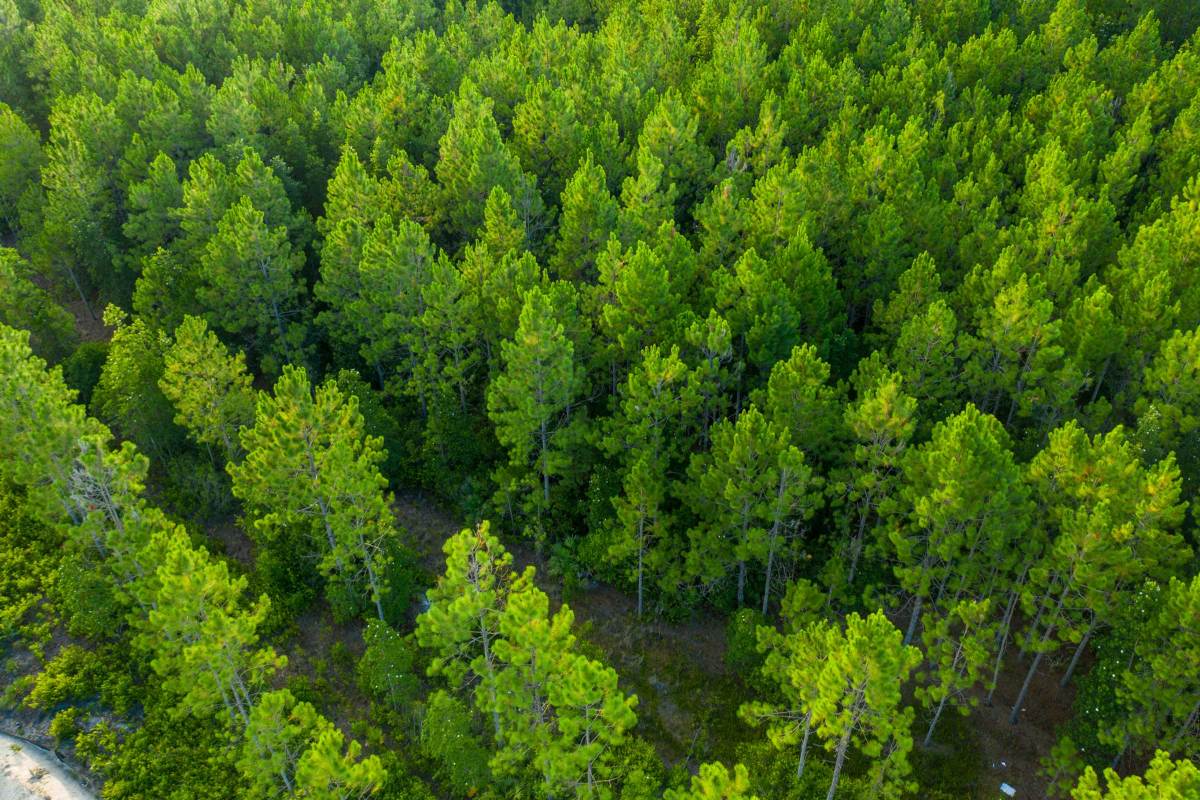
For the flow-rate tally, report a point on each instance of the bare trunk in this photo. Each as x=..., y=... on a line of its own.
x=641, y=552
x=767, y=584
x=741, y=592
x=1083, y=643
x=933, y=723
x=856, y=546
x=1100, y=379
x=804, y=745
x=1005, y=628
x=1015, y=716
x=840, y=761
x=912, y=621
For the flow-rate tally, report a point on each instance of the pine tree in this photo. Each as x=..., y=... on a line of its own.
x=589, y=217
x=650, y=437
x=881, y=422
x=204, y=644
x=957, y=647
x=309, y=462
x=252, y=286
x=858, y=697
x=1112, y=520
x=209, y=387
x=530, y=402
x=24, y=305
x=714, y=782
x=462, y=622
x=965, y=504
x=1164, y=780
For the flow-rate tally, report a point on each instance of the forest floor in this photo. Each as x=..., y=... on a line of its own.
x=688, y=696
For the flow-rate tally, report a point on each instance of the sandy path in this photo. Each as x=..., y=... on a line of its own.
x=31, y=773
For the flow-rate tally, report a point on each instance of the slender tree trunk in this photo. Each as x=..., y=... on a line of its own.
x=1120, y=753
x=545, y=466
x=641, y=553
x=912, y=621
x=372, y=578
x=491, y=668
x=840, y=761
x=1005, y=628
x=856, y=545
x=767, y=584
x=1037, y=659
x=1186, y=726
x=804, y=746
x=1015, y=716
x=933, y=723
x=741, y=592
x=1100, y=379
x=1083, y=643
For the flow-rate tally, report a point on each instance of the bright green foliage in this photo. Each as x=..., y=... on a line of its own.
x=204, y=645
x=638, y=305
x=374, y=298
x=19, y=168
x=42, y=429
x=957, y=646
x=561, y=711
x=1169, y=408
x=308, y=462
x=208, y=386
x=714, y=782
x=24, y=305
x=649, y=437
x=462, y=622
x=857, y=701
x=530, y=401
x=793, y=666
x=757, y=487
x=1112, y=520
x=964, y=506
x=473, y=159
x=252, y=287
x=1159, y=692
x=1164, y=780
x=671, y=134
x=881, y=423
x=589, y=217
x=331, y=769
x=128, y=395
x=800, y=399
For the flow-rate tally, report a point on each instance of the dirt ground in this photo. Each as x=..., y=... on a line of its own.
x=667, y=664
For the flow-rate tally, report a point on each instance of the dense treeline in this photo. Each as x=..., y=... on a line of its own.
x=873, y=324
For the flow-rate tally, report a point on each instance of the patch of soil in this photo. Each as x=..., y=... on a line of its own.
x=234, y=541
x=89, y=328
x=1013, y=752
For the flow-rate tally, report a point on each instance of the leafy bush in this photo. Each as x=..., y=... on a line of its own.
x=385, y=671
x=81, y=370
x=448, y=739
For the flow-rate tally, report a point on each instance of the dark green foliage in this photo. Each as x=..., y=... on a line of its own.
x=385, y=670
x=81, y=369
x=448, y=737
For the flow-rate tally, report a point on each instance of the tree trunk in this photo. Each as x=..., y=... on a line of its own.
x=1100, y=379
x=1186, y=726
x=912, y=622
x=545, y=466
x=1015, y=716
x=1083, y=643
x=840, y=761
x=641, y=552
x=933, y=723
x=767, y=584
x=741, y=597
x=1005, y=628
x=487, y=659
x=804, y=746
x=856, y=545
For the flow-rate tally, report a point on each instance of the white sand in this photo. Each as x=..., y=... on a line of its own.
x=31, y=773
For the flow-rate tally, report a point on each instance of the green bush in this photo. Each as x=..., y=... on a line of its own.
x=81, y=369
x=447, y=738
x=385, y=671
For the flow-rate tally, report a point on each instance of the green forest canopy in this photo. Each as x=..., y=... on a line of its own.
x=873, y=325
